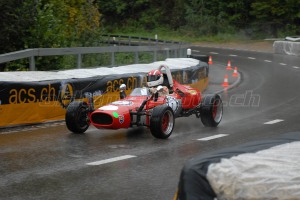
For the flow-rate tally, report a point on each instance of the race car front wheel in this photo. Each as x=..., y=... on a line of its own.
x=77, y=117
x=211, y=110
x=162, y=121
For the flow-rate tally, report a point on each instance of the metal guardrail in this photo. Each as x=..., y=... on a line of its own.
x=179, y=49
x=133, y=40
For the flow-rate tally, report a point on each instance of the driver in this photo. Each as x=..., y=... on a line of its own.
x=155, y=80
x=122, y=91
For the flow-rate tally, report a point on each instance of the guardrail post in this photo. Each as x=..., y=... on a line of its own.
x=180, y=53
x=129, y=42
x=32, y=64
x=112, y=58
x=168, y=53
x=108, y=39
x=114, y=41
x=155, y=52
x=185, y=53
x=79, y=60
x=136, y=57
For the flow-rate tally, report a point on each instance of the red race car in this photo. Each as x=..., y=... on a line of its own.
x=156, y=107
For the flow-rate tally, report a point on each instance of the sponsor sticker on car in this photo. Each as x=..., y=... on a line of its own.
x=193, y=92
x=121, y=119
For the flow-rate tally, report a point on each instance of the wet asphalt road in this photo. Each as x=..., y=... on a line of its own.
x=48, y=162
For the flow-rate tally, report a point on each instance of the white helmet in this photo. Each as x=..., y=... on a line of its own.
x=123, y=87
x=154, y=78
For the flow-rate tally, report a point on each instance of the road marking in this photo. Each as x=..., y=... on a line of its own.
x=282, y=63
x=251, y=58
x=232, y=55
x=212, y=137
x=295, y=67
x=195, y=50
x=213, y=53
x=274, y=121
x=268, y=61
x=110, y=160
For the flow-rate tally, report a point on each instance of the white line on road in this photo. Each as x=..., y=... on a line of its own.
x=232, y=55
x=251, y=58
x=295, y=67
x=212, y=137
x=268, y=61
x=101, y=162
x=213, y=53
x=274, y=121
x=282, y=63
x=196, y=51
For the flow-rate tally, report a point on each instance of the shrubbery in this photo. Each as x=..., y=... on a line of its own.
x=55, y=23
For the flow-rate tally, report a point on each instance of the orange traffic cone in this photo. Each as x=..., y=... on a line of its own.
x=210, y=62
x=235, y=73
x=228, y=65
x=225, y=83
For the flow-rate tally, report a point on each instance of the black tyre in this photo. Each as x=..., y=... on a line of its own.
x=162, y=122
x=77, y=117
x=211, y=110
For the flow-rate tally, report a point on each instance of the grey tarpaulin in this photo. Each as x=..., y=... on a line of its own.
x=267, y=169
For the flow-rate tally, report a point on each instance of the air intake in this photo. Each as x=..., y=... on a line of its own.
x=102, y=119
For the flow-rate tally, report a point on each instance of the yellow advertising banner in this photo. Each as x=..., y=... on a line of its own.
x=36, y=102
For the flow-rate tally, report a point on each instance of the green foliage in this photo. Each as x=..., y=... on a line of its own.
x=55, y=23
x=63, y=23
x=15, y=18
x=276, y=16
x=205, y=18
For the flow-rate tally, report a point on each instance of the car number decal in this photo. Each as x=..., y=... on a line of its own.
x=125, y=103
x=109, y=107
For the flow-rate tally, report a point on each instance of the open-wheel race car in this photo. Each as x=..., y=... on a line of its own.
x=156, y=107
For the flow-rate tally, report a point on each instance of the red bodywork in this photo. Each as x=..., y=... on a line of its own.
x=120, y=114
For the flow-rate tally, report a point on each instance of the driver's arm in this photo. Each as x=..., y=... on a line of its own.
x=163, y=90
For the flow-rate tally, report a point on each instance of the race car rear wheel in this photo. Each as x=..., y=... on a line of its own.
x=162, y=121
x=211, y=110
x=77, y=117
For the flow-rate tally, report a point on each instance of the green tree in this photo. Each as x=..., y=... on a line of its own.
x=213, y=17
x=120, y=13
x=278, y=15
x=61, y=24
x=147, y=14
x=15, y=17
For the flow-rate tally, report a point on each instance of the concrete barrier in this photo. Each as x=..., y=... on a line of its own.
x=286, y=47
x=35, y=96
